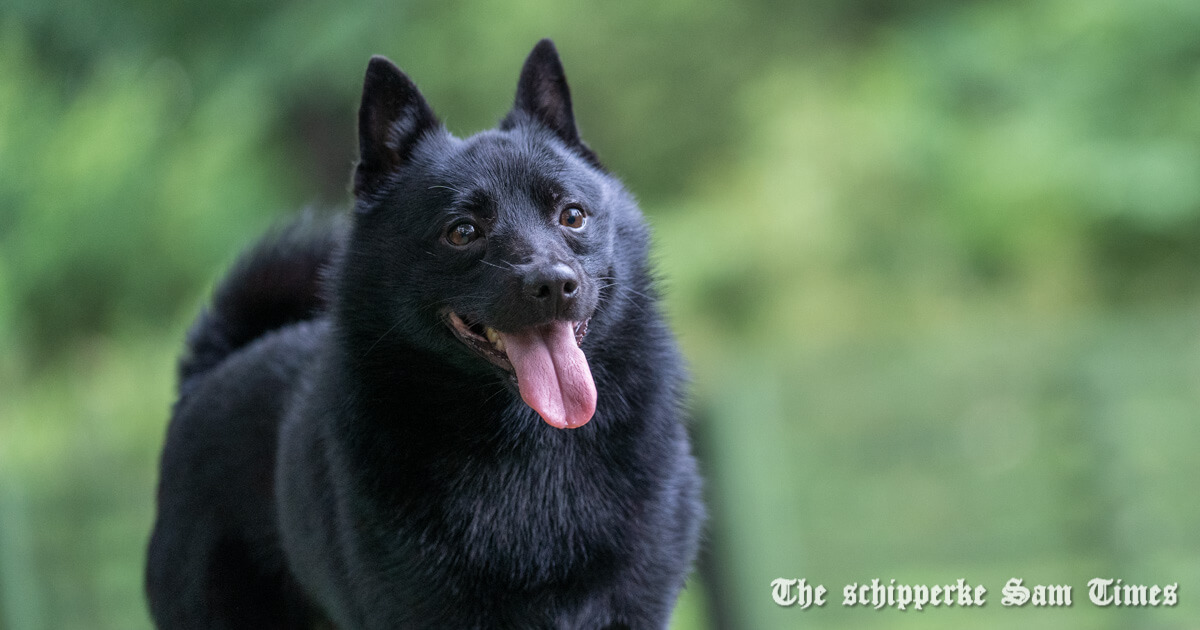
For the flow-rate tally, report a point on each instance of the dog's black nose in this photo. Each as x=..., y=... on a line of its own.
x=552, y=285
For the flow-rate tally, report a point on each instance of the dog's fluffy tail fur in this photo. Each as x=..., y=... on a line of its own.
x=280, y=281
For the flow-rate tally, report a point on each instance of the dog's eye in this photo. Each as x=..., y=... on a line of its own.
x=572, y=217
x=461, y=234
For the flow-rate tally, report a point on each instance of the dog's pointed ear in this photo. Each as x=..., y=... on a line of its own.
x=542, y=93
x=391, y=119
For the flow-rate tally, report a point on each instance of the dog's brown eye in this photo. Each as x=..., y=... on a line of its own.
x=572, y=217
x=462, y=233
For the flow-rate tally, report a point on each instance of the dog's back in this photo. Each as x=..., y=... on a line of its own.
x=214, y=559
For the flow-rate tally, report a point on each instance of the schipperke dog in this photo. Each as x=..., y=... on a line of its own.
x=461, y=410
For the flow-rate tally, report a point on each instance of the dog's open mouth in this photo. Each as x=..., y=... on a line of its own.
x=552, y=372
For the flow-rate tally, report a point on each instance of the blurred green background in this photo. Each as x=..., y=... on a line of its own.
x=935, y=264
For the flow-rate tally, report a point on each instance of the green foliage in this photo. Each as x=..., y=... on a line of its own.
x=936, y=266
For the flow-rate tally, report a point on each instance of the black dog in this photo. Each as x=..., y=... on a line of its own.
x=372, y=456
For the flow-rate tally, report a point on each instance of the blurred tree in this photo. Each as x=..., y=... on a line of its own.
x=935, y=263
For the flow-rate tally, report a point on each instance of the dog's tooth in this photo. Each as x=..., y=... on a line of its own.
x=495, y=338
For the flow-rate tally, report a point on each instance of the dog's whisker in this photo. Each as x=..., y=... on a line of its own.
x=450, y=188
x=381, y=337
x=628, y=289
x=491, y=264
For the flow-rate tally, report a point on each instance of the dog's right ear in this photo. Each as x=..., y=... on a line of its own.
x=391, y=119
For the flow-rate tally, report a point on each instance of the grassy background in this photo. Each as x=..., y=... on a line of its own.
x=935, y=264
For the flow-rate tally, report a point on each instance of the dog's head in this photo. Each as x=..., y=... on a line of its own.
x=492, y=253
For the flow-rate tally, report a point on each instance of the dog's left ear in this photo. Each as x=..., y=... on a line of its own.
x=542, y=93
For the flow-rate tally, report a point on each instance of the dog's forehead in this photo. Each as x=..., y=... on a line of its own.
x=507, y=163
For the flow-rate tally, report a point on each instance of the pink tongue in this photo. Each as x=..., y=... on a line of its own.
x=553, y=374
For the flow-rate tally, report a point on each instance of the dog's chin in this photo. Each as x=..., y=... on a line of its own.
x=487, y=342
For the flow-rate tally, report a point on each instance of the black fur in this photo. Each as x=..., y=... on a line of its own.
x=275, y=284
x=351, y=462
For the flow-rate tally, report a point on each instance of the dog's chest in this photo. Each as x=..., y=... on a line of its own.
x=530, y=520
